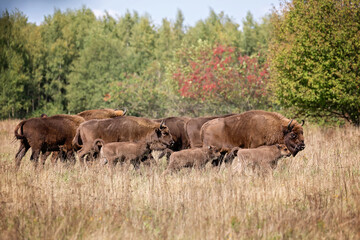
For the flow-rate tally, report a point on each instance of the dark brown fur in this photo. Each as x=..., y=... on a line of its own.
x=193, y=157
x=45, y=135
x=176, y=127
x=119, y=129
x=253, y=129
x=87, y=115
x=264, y=157
x=193, y=127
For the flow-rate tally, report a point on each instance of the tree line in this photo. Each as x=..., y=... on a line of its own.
x=287, y=61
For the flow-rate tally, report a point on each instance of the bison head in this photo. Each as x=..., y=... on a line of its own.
x=213, y=152
x=284, y=151
x=162, y=135
x=294, y=137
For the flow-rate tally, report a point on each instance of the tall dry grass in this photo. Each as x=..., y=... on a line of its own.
x=315, y=195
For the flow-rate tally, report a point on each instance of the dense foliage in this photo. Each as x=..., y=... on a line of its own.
x=315, y=58
x=74, y=61
x=220, y=74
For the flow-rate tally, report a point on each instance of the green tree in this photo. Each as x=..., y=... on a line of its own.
x=315, y=58
x=101, y=62
x=63, y=37
x=217, y=28
x=255, y=36
x=18, y=86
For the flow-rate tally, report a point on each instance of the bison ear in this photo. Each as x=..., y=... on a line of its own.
x=162, y=124
x=278, y=146
x=158, y=132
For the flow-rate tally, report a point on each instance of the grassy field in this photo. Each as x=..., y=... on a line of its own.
x=315, y=195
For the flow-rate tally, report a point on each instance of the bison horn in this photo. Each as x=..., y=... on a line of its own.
x=124, y=111
x=302, y=122
x=162, y=124
x=289, y=127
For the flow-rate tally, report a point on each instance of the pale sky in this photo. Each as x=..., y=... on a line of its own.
x=193, y=10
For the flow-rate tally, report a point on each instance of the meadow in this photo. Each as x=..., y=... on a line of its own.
x=315, y=195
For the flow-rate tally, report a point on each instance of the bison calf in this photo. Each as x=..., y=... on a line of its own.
x=264, y=157
x=129, y=152
x=193, y=157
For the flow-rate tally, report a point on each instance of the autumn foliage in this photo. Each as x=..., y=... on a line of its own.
x=220, y=73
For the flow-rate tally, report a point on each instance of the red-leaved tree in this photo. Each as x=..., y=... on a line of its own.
x=220, y=73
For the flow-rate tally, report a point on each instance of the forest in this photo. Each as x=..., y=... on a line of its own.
x=302, y=60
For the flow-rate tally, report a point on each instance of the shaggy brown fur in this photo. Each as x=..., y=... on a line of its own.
x=126, y=152
x=87, y=115
x=193, y=157
x=193, y=127
x=264, y=157
x=101, y=113
x=119, y=129
x=176, y=127
x=253, y=129
x=45, y=135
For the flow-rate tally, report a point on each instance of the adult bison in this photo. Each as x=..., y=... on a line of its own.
x=46, y=134
x=176, y=127
x=193, y=126
x=253, y=129
x=101, y=113
x=87, y=115
x=119, y=129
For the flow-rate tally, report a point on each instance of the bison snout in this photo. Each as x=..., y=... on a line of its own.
x=300, y=147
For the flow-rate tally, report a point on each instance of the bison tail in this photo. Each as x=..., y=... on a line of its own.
x=77, y=143
x=98, y=144
x=16, y=131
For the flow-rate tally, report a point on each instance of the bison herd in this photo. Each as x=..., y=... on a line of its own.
x=254, y=138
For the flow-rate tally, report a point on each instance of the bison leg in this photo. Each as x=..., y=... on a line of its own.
x=173, y=166
x=35, y=157
x=82, y=154
x=167, y=152
x=54, y=157
x=71, y=157
x=149, y=161
x=44, y=156
x=24, y=147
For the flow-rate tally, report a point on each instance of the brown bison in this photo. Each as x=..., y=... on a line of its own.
x=253, y=129
x=176, y=127
x=193, y=126
x=101, y=113
x=120, y=129
x=264, y=157
x=46, y=134
x=126, y=152
x=193, y=157
x=87, y=115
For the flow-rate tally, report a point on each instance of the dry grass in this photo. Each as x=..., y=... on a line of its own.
x=315, y=195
